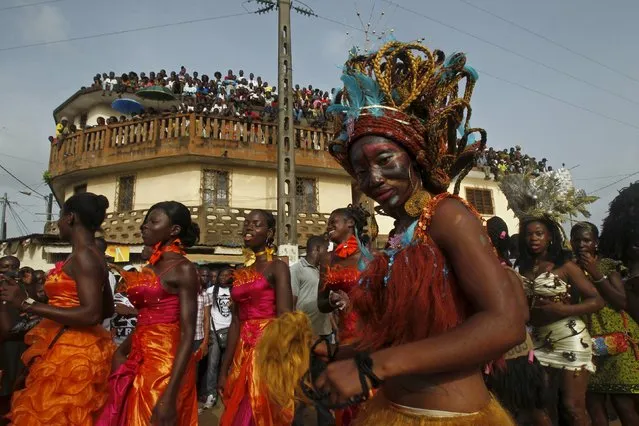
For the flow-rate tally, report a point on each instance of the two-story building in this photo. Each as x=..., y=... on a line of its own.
x=220, y=167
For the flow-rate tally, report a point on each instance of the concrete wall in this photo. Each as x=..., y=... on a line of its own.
x=249, y=188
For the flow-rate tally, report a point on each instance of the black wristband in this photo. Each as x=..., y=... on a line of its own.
x=364, y=364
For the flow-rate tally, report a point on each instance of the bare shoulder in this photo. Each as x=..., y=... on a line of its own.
x=278, y=265
x=452, y=217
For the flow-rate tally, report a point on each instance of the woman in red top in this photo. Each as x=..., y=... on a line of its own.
x=436, y=304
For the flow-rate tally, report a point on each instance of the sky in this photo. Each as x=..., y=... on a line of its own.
x=568, y=93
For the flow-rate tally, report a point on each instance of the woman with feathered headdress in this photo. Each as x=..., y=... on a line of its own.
x=561, y=340
x=435, y=304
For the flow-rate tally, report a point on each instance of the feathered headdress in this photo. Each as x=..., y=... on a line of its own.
x=412, y=95
x=551, y=194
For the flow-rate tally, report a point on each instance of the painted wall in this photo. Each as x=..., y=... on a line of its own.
x=334, y=193
x=254, y=188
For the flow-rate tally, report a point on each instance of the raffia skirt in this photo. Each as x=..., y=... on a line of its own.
x=381, y=411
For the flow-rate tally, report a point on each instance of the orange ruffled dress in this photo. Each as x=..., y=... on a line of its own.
x=67, y=384
x=245, y=400
x=138, y=384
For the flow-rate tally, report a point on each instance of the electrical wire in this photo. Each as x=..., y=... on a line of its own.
x=20, y=6
x=614, y=183
x=549, y=40
x=563, y=101
x=513, y=52
x=22, y=228
x=18, y=179
x=132, y=30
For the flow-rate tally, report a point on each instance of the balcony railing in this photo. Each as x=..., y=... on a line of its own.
x=184, y=134
x=219, y=226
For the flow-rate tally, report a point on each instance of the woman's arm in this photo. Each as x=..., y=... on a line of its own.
x=122, y=353
x=231, y=343
x=188, y=283
x=108, y=305
x=90, y=274
x=613, y=290
x=610, y=287
x=518, y=288
x=591, y=300
x=282, y=285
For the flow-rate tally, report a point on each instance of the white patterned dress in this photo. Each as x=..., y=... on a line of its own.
x=564, y=344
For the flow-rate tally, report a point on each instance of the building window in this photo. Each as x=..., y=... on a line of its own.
x=306, y=195
x=125, y=193
x=215, y=188
x=481, y=199
x=80, y=189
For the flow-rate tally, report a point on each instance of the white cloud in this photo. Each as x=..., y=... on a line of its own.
x=43, y=23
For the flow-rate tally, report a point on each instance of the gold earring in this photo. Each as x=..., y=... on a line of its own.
x=415, y=204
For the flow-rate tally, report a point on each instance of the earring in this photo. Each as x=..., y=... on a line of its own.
x=415, y=204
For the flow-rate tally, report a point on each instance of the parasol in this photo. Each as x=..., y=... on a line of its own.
x=156, y=93
x=127, y=106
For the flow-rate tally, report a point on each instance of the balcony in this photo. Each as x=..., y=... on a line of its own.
x=219, y=226
x=178, y=137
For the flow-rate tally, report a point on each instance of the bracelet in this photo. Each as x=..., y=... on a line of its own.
x=604, y=278
x=364, y=364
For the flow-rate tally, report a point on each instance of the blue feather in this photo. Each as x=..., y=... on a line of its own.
x=473, y=73
x=355, y=94
x=372, y=92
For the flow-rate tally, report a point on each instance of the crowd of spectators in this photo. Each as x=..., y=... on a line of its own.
x=496, y=164
x=234, y=94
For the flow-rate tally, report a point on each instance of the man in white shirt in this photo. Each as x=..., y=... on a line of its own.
x=220, y=322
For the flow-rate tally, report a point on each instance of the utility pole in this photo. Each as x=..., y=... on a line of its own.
x=49, y=210
x=286, y=184
x=3, y=216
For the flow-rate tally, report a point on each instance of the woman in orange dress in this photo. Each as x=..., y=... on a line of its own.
x=69, y=351
x=153, y=380
x=268, y=346
x=339, y=276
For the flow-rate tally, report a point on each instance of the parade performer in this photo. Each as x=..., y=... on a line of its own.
x=560, y=337
x=339, y=275
x=268, y=348
x=339, y=268
x=69, y=351
x=153, y=380
x=619, y=241
x=518, y=379
x=436, y=303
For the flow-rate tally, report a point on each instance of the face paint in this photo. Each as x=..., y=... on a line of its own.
x=384, y=171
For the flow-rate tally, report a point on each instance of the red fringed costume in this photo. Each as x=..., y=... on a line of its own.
x=421, y=297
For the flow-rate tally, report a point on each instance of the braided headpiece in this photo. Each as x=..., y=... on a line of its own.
x=412, y=96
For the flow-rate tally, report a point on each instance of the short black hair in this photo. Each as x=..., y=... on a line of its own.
x=89, y=208
x=179, y=215
x=315, y=241
x=584, y=226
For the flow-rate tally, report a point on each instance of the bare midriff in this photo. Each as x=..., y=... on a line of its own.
x=461, y=392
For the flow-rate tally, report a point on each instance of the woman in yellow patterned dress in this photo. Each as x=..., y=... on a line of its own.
x=617, y=373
